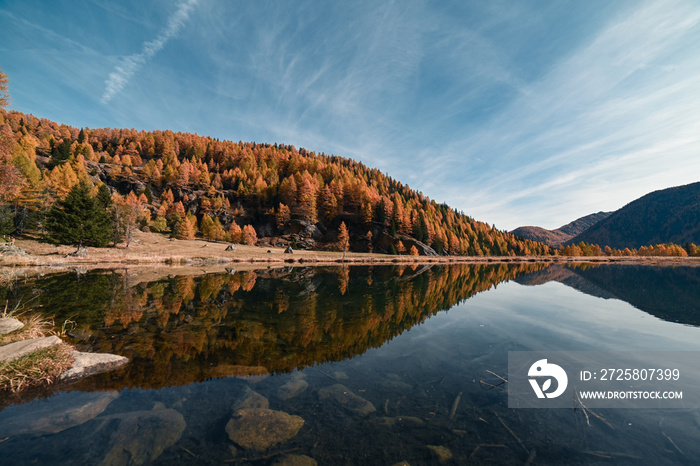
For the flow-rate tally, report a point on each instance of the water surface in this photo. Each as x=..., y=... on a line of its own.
x=423, y=345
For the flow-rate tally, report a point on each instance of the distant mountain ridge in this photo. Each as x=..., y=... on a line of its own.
x=561, y=235
x=669, y=215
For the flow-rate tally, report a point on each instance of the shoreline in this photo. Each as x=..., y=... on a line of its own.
x=154, y=250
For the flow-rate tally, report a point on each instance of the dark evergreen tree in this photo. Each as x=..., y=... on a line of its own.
x=80, y=219
x=60, y=152
x=104, y=197
x=7, y=224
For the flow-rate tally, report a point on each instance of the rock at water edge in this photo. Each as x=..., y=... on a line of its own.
x=22, y=348
x=92, y=363
x=344, y=397
x=259, y=429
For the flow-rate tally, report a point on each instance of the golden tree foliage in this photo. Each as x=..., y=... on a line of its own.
x=243, y=181
x=250, y=237
x=343, y=237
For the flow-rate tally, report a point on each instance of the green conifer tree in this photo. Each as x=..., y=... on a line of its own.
x=80, y=219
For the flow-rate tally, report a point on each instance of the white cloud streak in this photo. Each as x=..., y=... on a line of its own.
x=128, y=67
x=614, y=120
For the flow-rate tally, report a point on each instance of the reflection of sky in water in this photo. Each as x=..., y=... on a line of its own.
x=478, y=333
x=557, y=318
x=475, y=336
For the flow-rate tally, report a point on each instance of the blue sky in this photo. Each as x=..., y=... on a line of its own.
x=516, y=113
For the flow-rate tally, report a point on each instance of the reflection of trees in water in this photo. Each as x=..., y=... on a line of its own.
x=185, y=328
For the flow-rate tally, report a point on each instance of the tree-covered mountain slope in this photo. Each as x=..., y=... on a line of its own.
x=666, y=216
x=269, y=194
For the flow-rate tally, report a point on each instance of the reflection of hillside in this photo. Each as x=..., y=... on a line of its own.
x=183, y=329
x=669, y=293
x=567, y=276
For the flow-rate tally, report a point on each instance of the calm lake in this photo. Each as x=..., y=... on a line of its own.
x=355, y=365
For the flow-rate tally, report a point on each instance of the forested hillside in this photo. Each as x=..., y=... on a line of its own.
x=666, y=216
x=186, y=184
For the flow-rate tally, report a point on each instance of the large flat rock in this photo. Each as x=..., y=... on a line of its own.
x=86, y=364
x=22, y=348
x=9, y=324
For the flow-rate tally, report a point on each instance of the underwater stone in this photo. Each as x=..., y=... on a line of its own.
x=402, y=421
x=74, y=409
x=259, y=429
x=344, y=397
x=295, y=460
x=250, y=400
x=141, y=436
x=291, y=389
x=442, y=454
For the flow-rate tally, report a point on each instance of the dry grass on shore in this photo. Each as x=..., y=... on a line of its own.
x=42, y=367
x=153, y=248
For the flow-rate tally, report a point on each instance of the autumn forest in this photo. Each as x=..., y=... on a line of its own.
x=107, y=182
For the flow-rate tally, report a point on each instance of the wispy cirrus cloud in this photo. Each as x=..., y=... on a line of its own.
x=128, y=66
x=611, y=121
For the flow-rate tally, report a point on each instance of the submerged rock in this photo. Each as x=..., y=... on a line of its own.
x=394, y=382
x=9, y=324
x=56, y=415
x=401, y=421
x=22, y=348
x=292, y=388
x=295, y=460
x=442, y=454
x=250, y=400
x=86, y=364
x=344, y=397
x=259, y=429
x=340, y=375
x=141, y=436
